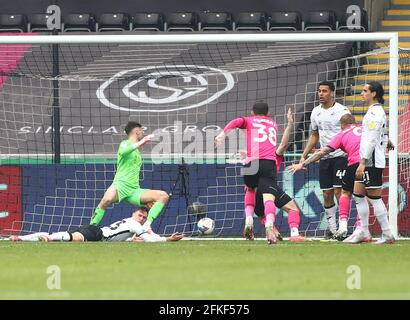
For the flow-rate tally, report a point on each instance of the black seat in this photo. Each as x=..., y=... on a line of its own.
x=38, y=22
x=181, y=21
x=13, y=23
x=148, y=21
x=113, y=22
x=320, y=20
x=221, y=21
x=285, y=20
x=78, y=22
x=246, y=21
x=363, y=24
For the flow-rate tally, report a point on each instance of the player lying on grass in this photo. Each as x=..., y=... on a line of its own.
x=129, y=229
x=126, y=186
x=348, y=140
x=262, y=157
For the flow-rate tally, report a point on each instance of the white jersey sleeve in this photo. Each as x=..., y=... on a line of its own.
x=327, y=123
x=313, y=124
x=152, y=237
x=373, y=137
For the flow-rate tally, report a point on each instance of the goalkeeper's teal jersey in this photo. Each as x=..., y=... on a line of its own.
x=129, y=162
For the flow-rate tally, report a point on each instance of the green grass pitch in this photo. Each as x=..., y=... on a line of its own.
x=205, y=270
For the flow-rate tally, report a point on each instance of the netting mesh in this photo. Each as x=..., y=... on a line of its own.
x=184, y=93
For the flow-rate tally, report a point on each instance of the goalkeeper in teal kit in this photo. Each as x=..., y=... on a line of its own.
x=125, y=186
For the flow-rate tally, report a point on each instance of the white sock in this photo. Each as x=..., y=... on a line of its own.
x=343, y=225
x=33, y=236
x=268, y=225
x=380, y=211
x=249, y=221
x=331, y=218
x=60, y=236
x=363, y=211
x=294, y=232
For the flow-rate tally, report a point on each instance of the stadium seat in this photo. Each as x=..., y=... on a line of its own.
x=113, y=22
x=147, y=22
x=320, y=20
x=219, y=21
x=250, y=21
x=285, y=21
x=78, y=22
x=181, y=21
x=364, y=22
x=13, y=23
x=38, y=22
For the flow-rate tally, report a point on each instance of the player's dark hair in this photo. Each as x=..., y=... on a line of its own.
x=146, y=209
x=131, y=125
x=375, y=86
x=331, y=85
x=347, y=119
x=260, y=108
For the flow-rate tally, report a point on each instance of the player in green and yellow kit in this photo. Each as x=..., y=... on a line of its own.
x=125, y=186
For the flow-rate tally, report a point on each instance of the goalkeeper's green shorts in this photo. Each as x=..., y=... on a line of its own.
x=130, y=194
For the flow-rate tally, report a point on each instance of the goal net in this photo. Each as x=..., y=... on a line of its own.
x=64, y=103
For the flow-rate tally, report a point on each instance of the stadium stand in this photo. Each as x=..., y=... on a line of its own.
x=181, y=21
x=220, y=21
x=78, y=22
x=320, y=20
x=250, y=21
x=284, y=21
x=113, y=22
x=147, y=21
x=13, y=23
x=395, y=19
x=276, y=21
x=37, y=22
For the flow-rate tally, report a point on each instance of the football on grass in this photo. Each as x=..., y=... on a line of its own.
x=206, y=225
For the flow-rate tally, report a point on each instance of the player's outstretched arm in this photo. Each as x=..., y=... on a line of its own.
x=125, y=148
x=286, y=134
x=156, y=238
x=312, y=141
x=175, y=237
x=314, y=157
x=153, y=237
x=235, y=123
x=143, y=141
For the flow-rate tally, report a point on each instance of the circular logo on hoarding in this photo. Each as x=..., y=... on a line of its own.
x=164, y=88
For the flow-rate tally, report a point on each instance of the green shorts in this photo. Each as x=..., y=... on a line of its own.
x=128, y=193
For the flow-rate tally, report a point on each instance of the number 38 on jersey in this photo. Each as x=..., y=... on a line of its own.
x=264, y=133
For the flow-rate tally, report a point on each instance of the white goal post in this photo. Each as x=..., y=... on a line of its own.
x=165, y=38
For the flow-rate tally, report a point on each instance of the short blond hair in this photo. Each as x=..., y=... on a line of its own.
x=347, y=119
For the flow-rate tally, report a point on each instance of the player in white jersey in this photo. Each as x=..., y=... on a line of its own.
x=129, y=229
x=372, y=163
x=325, y=124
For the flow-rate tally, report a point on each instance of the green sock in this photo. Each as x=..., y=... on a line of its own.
x=97, y=216
x=155, y=211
